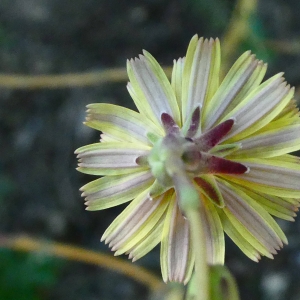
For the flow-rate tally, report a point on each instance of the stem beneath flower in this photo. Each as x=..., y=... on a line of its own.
x=199, y=244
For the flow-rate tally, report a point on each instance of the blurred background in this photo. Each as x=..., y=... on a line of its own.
x=41, y=126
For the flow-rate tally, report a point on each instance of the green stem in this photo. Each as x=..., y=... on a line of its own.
x=199, y=244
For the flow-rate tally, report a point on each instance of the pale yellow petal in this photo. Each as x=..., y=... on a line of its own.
x=175, y=249
x=110, y=191
x=201, y=74
x=110, y=158
x=234, y=81
x=215, y=243
x=274, y=176
x=248, y=249
x=122, y=123
x=283, y=208
x=259, y=108
x=249, y=220
x=270, y=143
x=153, y=89
x=166, y=87
x=138, y=96
x=176, y=80
x=137, y=224
x=148, y=242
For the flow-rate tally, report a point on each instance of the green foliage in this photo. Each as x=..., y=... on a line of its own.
x=27, y=276
x=222, y=284
x=6, y=186
x=5, y=39
x=215, y=12
x=256, y=40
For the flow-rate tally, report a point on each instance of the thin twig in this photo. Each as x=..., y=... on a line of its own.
x=65, y=80
x=291, y=47
x=137, y=273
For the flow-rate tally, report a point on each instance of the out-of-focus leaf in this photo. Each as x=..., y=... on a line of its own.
x=222, y=284
x=27, y=276
x=215, y=12
x=256, y=40
x=6, y=186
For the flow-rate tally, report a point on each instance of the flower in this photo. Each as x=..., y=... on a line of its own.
x=226, y=142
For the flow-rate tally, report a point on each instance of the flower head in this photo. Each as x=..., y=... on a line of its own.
x=224, y=145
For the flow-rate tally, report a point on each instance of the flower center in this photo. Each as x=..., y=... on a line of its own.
x=184, y=154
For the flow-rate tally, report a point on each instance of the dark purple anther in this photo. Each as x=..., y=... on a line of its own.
x=210, y=190
x=169, y=124
x=195, y=123
x=218, y=165
x=212, y=137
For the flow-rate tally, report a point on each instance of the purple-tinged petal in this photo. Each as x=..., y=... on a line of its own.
x=238, y=238
x=259, y=108
x=119, y=122
x=215, y=242
x=110, y=158
x=107, y=138
x=273, y=176
x=166, y=85
x=225, y=149
x=175, y=247
x=270, y=143
x=135, y=222
x=250, y=217
x=214, y=136
x=176, y=79
x=290, y=112
x=200, y=73
x=229, y=89
x=149, y=79
x=277, y=206
x=152, y=239
x=252, y=83
x=139, y=98
x=110, y=191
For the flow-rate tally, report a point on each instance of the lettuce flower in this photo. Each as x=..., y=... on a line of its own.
x=228, y=142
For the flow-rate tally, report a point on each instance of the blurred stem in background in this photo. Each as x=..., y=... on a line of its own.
x=238, y=30
x=220, y=284
x=86, y=256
